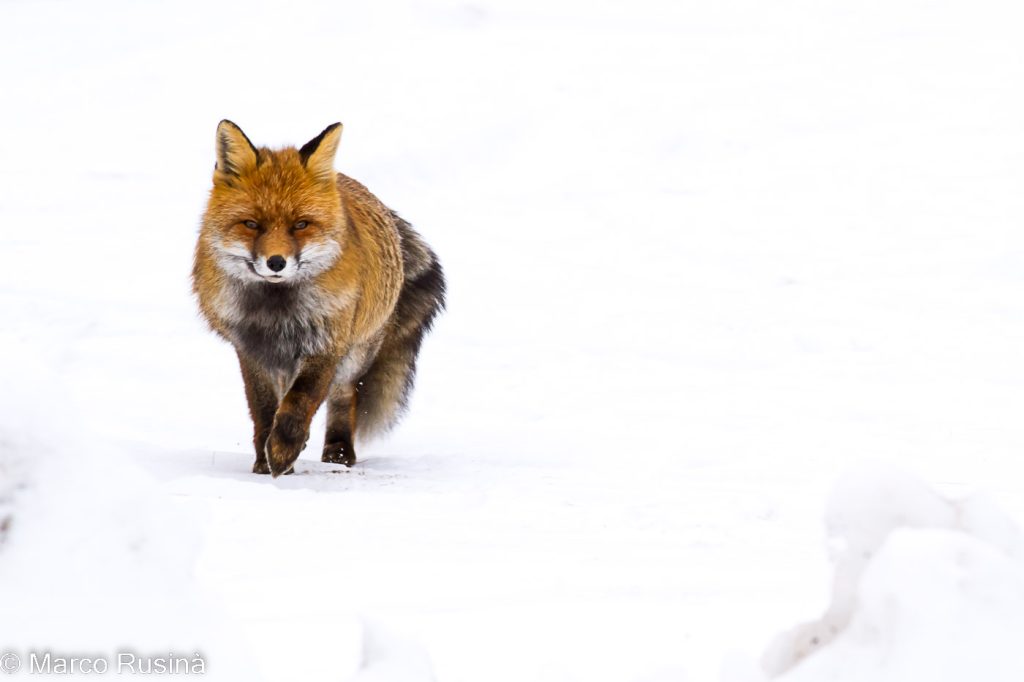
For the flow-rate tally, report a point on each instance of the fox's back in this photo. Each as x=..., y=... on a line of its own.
x=375, y=256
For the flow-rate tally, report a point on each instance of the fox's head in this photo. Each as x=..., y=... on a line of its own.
x=275, y=215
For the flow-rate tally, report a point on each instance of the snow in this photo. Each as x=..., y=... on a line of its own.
x=703, y=258
x=95, y=559
x=388, y=657
x=924, y=588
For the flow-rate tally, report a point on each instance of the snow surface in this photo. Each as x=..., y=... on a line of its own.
x=389, y=657
x=924, y=588
x=703, y=258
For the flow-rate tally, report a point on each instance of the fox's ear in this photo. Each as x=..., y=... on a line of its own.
x=318, y=154
x=235, y=153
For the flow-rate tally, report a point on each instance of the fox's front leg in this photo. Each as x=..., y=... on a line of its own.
x=291, y=423
x=261, y=394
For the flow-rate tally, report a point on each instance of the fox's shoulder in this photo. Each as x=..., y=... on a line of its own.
x=357, y=197
x=371, y=223
x=373, y=263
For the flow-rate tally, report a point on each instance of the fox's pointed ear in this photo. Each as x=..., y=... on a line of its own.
x=235, y=153
x=318, y=154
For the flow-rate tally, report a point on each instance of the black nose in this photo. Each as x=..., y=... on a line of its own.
x=276, y=263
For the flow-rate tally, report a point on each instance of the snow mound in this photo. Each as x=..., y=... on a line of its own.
x=390, y=657
x=20, y=420
x=925, y=588
x=93, y=556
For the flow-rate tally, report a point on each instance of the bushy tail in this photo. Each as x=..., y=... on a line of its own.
x=383, y=392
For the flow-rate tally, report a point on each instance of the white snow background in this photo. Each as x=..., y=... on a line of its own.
x=703, y=258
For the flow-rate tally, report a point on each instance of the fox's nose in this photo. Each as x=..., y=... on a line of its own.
x=276, y=263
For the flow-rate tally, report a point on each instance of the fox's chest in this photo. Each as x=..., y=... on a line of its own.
x=278, y=325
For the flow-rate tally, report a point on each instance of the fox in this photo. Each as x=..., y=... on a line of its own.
x=325, y=293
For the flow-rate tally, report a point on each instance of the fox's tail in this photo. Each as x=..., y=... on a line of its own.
x=382, y=394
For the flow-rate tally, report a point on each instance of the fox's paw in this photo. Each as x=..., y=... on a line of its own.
x=281, y=454
x=287, y=439
x=261, y=467
x=339, y=453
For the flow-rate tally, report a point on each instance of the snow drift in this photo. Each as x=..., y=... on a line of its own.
x=925, y=588
x=95, y=559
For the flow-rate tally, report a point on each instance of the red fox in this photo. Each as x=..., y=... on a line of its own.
x=324, y=292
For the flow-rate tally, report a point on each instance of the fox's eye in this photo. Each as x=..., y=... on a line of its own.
x=301, y=225
x=251, y=224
